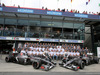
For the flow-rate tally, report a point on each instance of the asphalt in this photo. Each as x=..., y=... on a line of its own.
x=13, y=68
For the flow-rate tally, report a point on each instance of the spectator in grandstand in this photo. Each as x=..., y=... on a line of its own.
x=63, y=10
x=3, y=4
x=71, y=11
x=18, y=6
x=67, y=10
x=1, y=28
x=6, y=28
x=78, y=12
x=42, y=7
x=99, y=13
x=46, y=8
x=0, y=4
x=58, y=9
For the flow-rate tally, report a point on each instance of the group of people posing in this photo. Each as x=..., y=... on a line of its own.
x=53, y=50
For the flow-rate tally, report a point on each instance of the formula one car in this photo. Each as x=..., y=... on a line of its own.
x=90, y=59
x=72, y=63
x=20, y=58
x=11, y=57
x=42, y=63
x=24, y=59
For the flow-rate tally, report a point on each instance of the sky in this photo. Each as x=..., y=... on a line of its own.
x=93, y=5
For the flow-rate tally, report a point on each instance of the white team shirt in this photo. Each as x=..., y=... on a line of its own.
x=51, y=53
x=23, y=51
x=31, y=48
x=61, y=53
x=30, y=52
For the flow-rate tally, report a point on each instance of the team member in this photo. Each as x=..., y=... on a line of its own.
x=31, y=47
x=34, y=52
x=43, y=48
x=55, y=55
x=23, y=51
x=29, y=52
x=40, y=48
x=46, y=55
x=51, y=53
x=50, y=48
x=61, y=54
x=77, y=53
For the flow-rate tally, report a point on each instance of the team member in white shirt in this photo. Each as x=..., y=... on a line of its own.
x=71, y=53
x=50, y=48
x=37, y=48
x=34, y=48
x=34, y=52
x=31, y=47
x=43, y=49
x=40, y=48
x=58, y=53
x=51, y=53
x=41, y=53
x=55, y=55
x=61, y=54
x=77, y=53
x=29, y=52
x=23, y=51
x=65, y=53
x=68, y=52
x=62, y=49
x=74, y=53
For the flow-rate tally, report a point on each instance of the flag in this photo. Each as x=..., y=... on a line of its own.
x=88, y=0
x=71, y=1
x=86, y=3
x=99, y=4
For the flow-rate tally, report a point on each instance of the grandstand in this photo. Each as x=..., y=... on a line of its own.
x=20, y=25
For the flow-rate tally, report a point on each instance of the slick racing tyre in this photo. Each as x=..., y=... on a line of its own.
x=36, y=64
x=7, y=59
x=96, y=60
x=81, y=64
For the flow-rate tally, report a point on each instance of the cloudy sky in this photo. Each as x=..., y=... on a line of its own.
x=93, y=5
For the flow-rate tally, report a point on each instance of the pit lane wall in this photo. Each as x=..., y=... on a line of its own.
x=42, y=39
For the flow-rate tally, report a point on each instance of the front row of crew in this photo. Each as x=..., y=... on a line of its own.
x=52, y=54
